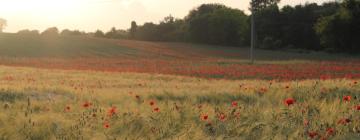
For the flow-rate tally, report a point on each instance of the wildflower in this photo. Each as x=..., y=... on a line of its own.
x=152, y=103
x=287, y=87
x=313, y=134
x=137, y=97
x=234, y=104
x=156, y=109
x=204, y=117
x=355, y=82
x=344, y=121
x=112, y=111
x=347, y=98
x=289, y=101
x=106, y=125
x=222, y=117
x=67, y=108
x=357, y=107
x=330, y=131
x=87, y=104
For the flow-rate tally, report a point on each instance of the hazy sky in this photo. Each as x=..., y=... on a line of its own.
x=90, y=15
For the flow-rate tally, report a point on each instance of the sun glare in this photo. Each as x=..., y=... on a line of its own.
x=41, y=7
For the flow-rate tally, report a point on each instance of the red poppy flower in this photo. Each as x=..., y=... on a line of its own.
x=137, y=97
x=313, y=134
x=344, y=121
x=106, y=125
x=234, y=104
x=156, y=109
x=67, y=108
x=347, y=98
x=204, y=117
x=357, y=107
x=289, y=101
x=222, y=117
x=152, y=103
x=287, y=87
x=87, y=104
x=355, y=82
x=330, y=131
x=112, y=111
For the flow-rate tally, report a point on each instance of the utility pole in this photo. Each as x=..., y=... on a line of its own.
x=252, y=35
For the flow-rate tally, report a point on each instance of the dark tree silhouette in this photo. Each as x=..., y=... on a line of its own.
x=51, y=32
x=133, y=29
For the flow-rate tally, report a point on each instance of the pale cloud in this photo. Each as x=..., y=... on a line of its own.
x=90, y=15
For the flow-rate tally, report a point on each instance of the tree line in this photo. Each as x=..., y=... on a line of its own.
x=332, y=26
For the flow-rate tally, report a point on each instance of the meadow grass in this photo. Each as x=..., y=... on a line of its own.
x=111, y=89
x=57, y=104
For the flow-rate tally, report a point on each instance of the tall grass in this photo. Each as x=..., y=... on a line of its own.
x=56, y=104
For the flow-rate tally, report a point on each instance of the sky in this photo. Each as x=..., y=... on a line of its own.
x=90, y=15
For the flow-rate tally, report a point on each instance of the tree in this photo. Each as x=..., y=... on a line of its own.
x=217, y=24
x=256, y=6
x=117, y=34
x=147, y=32
x=99, y=33
x=51, y=32
x=3, y=24
x=67, y=32
x=111, y=33
x=133, y=29
x=28, y=32
x=339, y=32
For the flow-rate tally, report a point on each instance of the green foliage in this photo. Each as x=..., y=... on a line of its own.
x=218, y=24
x=259, y=5
x=339, y=32
x=292, y=26
x=68, y=32
x=169, y=29
x=117, y=34
x=209, y=23
x=99, y=33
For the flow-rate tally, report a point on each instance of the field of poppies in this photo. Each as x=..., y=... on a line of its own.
x=144, y=90
x=73, y=104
